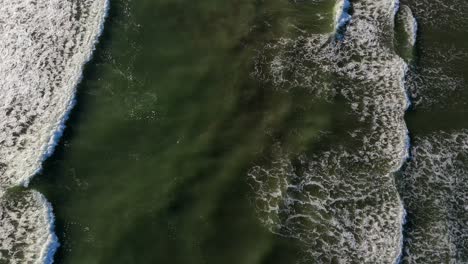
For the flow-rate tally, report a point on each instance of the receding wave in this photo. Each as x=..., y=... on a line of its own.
x=43, y=48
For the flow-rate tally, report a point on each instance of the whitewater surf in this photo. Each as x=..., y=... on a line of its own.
x=43, y=48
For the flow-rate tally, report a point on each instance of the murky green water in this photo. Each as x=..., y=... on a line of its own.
x=170, y=119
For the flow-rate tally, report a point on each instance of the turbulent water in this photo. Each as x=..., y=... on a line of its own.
x=240, y=132
x=434, y=188
x=436, y=78
x=43, y=47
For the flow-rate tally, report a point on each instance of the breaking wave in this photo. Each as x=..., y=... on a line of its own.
x=43, y=48
x=431, y=83
x=434, y=188
x=341, y=203
x=27, y=228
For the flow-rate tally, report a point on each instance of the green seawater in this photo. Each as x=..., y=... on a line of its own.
x=153, y=164
x=169, y=120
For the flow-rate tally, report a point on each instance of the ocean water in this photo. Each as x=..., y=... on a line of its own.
x=237, y=131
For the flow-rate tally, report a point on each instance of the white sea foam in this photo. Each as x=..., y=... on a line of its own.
x=432, y=86
x=27, y=228
x=435, y=80
x=434, y=188
x=341, y=203
x=442, y=14
x=43, y=48
x=371, y=74
x=339, y=212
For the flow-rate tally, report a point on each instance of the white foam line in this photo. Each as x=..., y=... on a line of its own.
x=399, y=258
x=49, y=249
x=415, y=32
x=57, y=134
x=407, y=147
x=47, y=253
x=408, y=104
x=362, y=34
x=396, y=7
